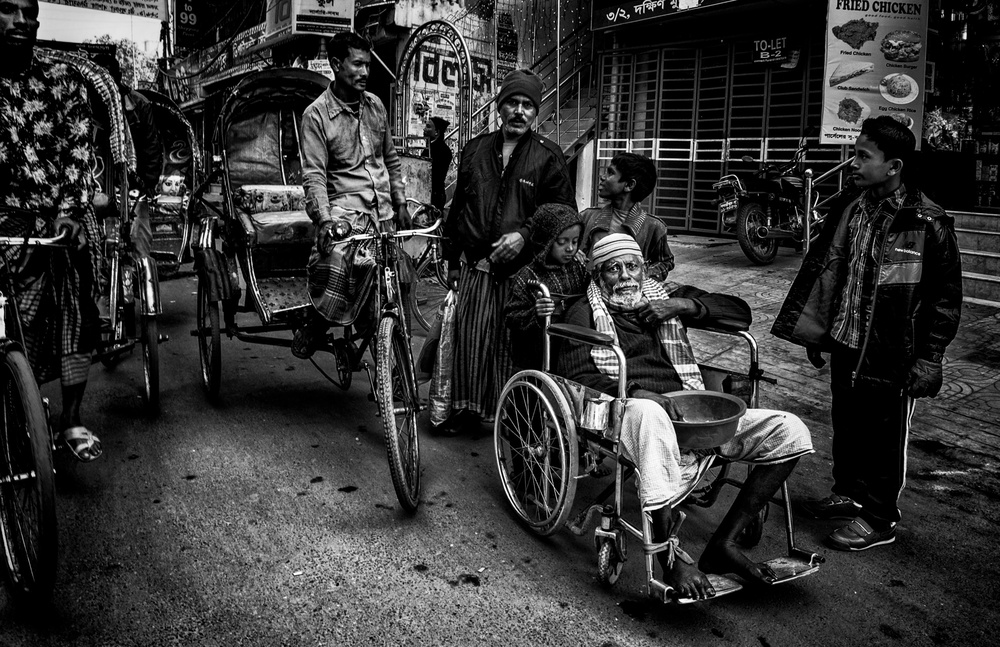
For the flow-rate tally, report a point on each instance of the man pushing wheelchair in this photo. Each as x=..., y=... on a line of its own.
x=649, y=327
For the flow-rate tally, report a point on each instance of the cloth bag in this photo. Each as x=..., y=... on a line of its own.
x=439, y=398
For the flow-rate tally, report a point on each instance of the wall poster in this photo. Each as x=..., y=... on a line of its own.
x=875, y=65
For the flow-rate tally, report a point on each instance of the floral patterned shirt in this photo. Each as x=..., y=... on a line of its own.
x=45, y=145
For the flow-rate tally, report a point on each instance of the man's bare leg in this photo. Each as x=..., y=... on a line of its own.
x=685, y=578
x=72, y=399
x=722, y=554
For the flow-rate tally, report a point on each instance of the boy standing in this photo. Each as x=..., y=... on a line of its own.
x=555, y=237
x=881, y=291
x=625, y=184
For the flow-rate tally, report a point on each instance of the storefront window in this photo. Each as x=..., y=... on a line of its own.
x=961, y=134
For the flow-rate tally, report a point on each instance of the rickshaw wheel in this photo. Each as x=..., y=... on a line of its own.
x=537, y=451
x=27, y=486
x=151, y=362
x=609, y=566
x=209, y=352
x=396, y=395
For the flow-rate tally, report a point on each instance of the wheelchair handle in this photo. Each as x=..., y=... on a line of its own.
x=541, y=287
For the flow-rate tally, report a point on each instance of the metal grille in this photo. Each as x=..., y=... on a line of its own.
x=696, y=111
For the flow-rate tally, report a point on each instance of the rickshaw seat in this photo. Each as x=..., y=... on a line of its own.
x=273, y=215
x=279, y=228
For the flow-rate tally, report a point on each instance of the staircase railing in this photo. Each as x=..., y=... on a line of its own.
x=577, y=67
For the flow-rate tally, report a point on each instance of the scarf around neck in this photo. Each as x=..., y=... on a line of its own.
x=671, y=334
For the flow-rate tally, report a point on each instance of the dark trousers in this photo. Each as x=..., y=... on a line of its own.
x=871, y=427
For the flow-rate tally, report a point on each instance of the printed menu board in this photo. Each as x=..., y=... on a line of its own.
x=875, y=65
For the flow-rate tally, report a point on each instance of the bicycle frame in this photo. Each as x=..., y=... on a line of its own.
x=387, y=254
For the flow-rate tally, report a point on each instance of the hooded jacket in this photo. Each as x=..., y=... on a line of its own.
x=913, y=309
x=564, y=281
x=491, y=200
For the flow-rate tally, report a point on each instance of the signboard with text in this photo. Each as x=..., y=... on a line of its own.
x=141, y=8
x=616, y=13
x=318, y=17
x=875, y=65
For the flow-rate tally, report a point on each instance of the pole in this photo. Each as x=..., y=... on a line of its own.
x=807, y=217
x=555, y=110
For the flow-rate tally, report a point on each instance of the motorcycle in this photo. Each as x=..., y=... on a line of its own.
x=766, y=207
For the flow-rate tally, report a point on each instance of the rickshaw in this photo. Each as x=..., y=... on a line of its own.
x=132, y=285
x=251, y=256
x=182, y=170
x=547, y=436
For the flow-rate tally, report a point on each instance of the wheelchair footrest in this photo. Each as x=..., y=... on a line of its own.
x=791, y=567
x=666, y=593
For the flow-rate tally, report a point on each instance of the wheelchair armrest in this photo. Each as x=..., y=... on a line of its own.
x=581, y=334
x=721, y=325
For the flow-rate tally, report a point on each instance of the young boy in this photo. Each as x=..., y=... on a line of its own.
x=555, y=237
x=625, y=184
x=881, y=291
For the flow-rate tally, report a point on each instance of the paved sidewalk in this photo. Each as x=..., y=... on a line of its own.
x=964, y=416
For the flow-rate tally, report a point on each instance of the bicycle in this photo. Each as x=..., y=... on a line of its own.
x=394, y=384
x=430, y=271
x=27, y=477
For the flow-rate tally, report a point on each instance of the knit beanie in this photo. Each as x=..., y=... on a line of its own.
x=612, y=246
x=523, y=82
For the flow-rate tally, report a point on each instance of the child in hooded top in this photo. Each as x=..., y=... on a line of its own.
x=555, y=237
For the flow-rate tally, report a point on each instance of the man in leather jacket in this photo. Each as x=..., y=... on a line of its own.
x=881, y=291
x=503, y=177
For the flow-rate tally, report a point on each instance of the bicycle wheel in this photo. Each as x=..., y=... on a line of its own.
x=150, y=339
x=209, y=352
x=397, y=401
x=428, y=291
x=27, y=484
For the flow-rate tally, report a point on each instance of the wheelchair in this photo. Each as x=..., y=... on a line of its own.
x=547, y=437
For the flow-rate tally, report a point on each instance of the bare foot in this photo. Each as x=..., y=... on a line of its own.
x=725, y=557
x=688, y=581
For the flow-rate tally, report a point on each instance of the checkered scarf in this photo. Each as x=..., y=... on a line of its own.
x=672, y=335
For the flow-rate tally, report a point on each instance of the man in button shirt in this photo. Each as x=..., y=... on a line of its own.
x=881, y=290
x=349, y=164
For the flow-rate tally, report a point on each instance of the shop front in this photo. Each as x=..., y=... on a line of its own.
x=697, y=85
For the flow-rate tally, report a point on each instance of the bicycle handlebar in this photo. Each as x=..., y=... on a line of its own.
x=62, y=239
x=357, y=238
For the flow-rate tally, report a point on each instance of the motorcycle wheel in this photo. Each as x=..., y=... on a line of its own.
x=760, y=251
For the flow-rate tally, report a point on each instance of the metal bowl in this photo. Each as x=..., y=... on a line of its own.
x=710, y=418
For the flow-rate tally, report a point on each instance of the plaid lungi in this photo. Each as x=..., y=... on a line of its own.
x=341, y=280
x=665, y=473
x=482, y=343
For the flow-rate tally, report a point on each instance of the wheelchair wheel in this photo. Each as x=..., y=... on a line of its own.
x=537, y=451
x=396, y=391
x=27, y=485
x=209, y=352
x=150, y=339
x=609, y=565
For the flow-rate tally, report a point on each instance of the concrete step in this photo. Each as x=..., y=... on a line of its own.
x=976, y=240
x=980, y=262
x=981, y=288
x=976, y=221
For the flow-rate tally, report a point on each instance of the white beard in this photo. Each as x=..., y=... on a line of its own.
x=625, y=299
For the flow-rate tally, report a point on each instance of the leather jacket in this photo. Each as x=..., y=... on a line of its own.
x=491, y=201
x=913, y=309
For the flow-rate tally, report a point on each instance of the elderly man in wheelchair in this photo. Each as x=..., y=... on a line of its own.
x=649, y=327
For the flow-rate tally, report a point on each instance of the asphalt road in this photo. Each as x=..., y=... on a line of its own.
x=269, y=519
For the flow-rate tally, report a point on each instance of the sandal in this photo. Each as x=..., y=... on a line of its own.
x=83, y=443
